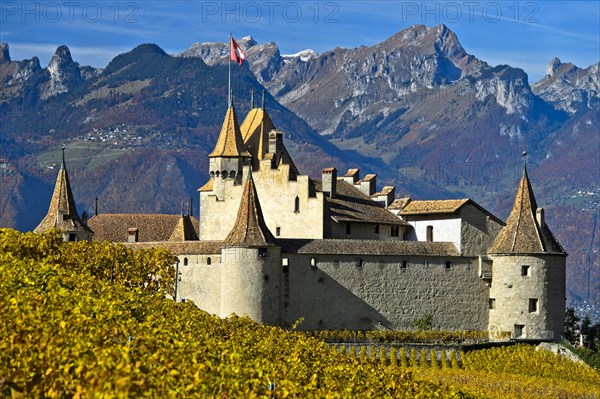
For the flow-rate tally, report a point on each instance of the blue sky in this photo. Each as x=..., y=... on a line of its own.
x=525, y=34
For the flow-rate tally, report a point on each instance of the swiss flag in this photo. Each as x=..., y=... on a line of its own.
x=237, y=54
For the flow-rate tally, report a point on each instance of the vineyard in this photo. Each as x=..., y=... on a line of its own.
x=91, y=319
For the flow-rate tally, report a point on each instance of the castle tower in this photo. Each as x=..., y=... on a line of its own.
x=62, y=214
x=229, y=154
x=527, y=295
x=250, y=260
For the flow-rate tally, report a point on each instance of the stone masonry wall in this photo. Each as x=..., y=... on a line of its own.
x=338, y=294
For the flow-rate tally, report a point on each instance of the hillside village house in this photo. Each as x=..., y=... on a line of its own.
x=277, y=245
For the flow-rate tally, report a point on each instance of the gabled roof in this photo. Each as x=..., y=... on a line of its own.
x=255, y=132
x=230, y=143
x=185, y=230
x=431, y=207
x=349, y=204
x=62, y=213
x=151, y=227
x=522, y=233
x=249, y=228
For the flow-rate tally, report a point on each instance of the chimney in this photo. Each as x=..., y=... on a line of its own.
x=540, y=217
x=275, y=142
x=329, y=181
x=132, y=234
x=386, y=196
x=368, y=185
x=352, y=176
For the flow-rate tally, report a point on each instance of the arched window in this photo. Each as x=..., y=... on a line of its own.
x=297, y=204
x=208, y=261
x=430, y=233
x=185, y=261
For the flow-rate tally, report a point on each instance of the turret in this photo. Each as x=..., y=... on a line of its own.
x=250, y=274
x=527, y=293
x=62, y=213
x=229, y=155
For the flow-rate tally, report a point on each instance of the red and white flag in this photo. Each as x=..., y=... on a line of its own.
x=237, y=54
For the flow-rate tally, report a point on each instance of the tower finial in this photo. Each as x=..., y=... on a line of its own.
x=251, y=99
x=524, y=163
x=263, y=99
x=96, y=207
x=230, y=98
x=62, y=166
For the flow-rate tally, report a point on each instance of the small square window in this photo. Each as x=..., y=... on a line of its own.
x=492, y=303
x=395, y=231
x=525, y=270
x=285, y=265
x=262, y=253
x=533, y=305
x=359, y=263
x=404, y=265
x=448, y=265
x=277, y=231
x=376, y=229
x=519, y=330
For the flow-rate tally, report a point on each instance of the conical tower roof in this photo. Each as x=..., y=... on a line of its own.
x=62, y=213
x=249, y=229
x=523, y=234
x=230, y=142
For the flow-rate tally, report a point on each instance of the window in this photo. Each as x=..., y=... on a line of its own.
x=395, y=231
x=277, y=231
x=297, y=204
x=404, y=264
x=359, y=263
x=519, y=330
x=208, y=261
x=376, y=229
x=72, y=237
x=429, y=233
x=285, y=268
x=533, y=305
x=262, y=253
x=525, y=270
x=185, y=261
x=492, y=303
x=448, y=265
x=348, y=228
x=313, y=263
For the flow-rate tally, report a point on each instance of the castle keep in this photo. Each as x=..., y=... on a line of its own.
x=277, y=246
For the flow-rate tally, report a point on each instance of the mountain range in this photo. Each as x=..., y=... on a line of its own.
x=416, y=108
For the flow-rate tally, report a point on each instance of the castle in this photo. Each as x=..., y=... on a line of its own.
x=278, y=246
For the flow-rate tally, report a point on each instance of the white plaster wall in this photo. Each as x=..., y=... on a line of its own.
x=445, y=229
x=364, y=231
x=200, y=282
x=338, y=295
x=512, y=292
x=277, y=199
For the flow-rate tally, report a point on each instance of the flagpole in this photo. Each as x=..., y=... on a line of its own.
x=229, y=91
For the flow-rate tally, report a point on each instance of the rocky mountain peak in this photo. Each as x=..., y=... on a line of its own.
x=64, y=73
x=553, y=66
x=4, y=53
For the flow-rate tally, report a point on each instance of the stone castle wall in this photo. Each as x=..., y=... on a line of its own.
x=340, y=294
